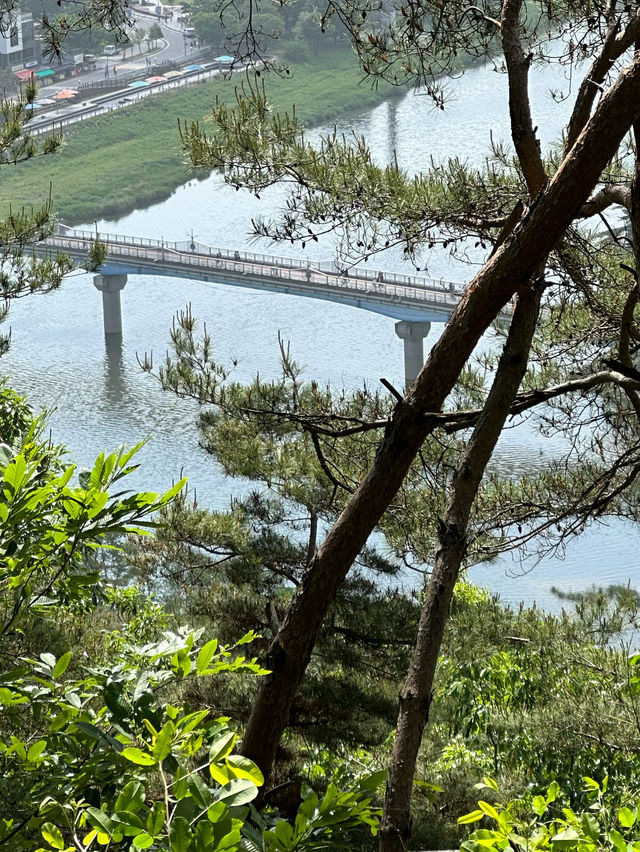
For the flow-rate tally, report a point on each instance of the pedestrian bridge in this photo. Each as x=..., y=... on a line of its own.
x=414, y=301
x=402, y=297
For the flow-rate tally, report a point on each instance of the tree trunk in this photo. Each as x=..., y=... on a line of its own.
x=415, y=697
x=510, y=267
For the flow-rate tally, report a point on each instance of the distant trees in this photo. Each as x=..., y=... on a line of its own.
x=239, y=27
x=154, y=35
x=137, y=37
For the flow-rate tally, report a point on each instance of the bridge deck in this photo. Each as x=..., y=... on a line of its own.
x=402, y=297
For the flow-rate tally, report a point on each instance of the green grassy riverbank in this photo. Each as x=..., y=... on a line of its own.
x=132, y=158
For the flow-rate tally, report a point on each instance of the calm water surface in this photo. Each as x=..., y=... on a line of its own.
x=100, y=398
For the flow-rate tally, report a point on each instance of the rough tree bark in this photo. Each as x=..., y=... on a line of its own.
x=510, y=268
x=415, y=697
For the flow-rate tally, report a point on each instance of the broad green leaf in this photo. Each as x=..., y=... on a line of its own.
x=552, y=792
x=155, y=818
x=203, y=836
x=62, y=665
x=181, y=836
x=627, y=817
x=164, y=740
x=375, y=779
x=128, y=824
x=136, y=755
x=221, y=773
x=567, y=839
x=284, y=833
x=242, y=767
x=199, y=791
x=36, y=750
x=142, y=841
x=618, y=840
x=52, y=835
x=539, y=805
x=239, y=791
x=590, y=826
x=222, y=747
x=489, y=810
x=217, y=812
x=100, y=820
x=229, y=841
x=473, y=816
x=205, y=655
x=131, y=797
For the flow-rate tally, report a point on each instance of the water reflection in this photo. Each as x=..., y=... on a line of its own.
x=115, y=386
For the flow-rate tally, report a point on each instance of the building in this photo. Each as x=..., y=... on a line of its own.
x=18, y=45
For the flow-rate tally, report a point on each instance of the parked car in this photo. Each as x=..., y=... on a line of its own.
x=110, y=50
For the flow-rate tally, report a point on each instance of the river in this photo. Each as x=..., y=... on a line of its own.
x=101, y=399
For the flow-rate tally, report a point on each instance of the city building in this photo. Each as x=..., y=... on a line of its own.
x=19, y=47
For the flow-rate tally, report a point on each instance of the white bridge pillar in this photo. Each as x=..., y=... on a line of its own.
x=110, y=287
x=412, y=334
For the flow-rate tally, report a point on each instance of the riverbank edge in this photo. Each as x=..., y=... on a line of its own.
x=105, y=167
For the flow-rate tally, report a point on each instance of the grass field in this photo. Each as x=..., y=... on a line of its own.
x=131, y=158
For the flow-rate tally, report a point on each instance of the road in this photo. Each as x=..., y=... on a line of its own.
x=174, y=47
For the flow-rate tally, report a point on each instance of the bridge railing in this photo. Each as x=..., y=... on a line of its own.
x=303, y=277
x=191, y=249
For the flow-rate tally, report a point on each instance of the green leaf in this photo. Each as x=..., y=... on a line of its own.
x=142, y=841
x=567, y=839
x=552, y=792
x=590, y=826
x=136, y=755
x=164, y=741
x=62, y=665
x=127, y=823
x=181, y=836
x=218, y=812
x=206, y=655
x=222, y=747
x=36, y=750
x=376, y=779
x=626, y=817
x=239, y=791
x=203, y=836
x=618, y=840
x=489, y=810
x=284, y=833
x=52, y=835
x=100, y=820
x=220, y=772
x=155, y=818
x=467, y=819
x=131, y=797
x=539, y=805
x=242, y=767
x=199, y=791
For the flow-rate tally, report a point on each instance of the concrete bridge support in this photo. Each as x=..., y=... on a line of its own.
x=412, y=334
x=110, y=287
